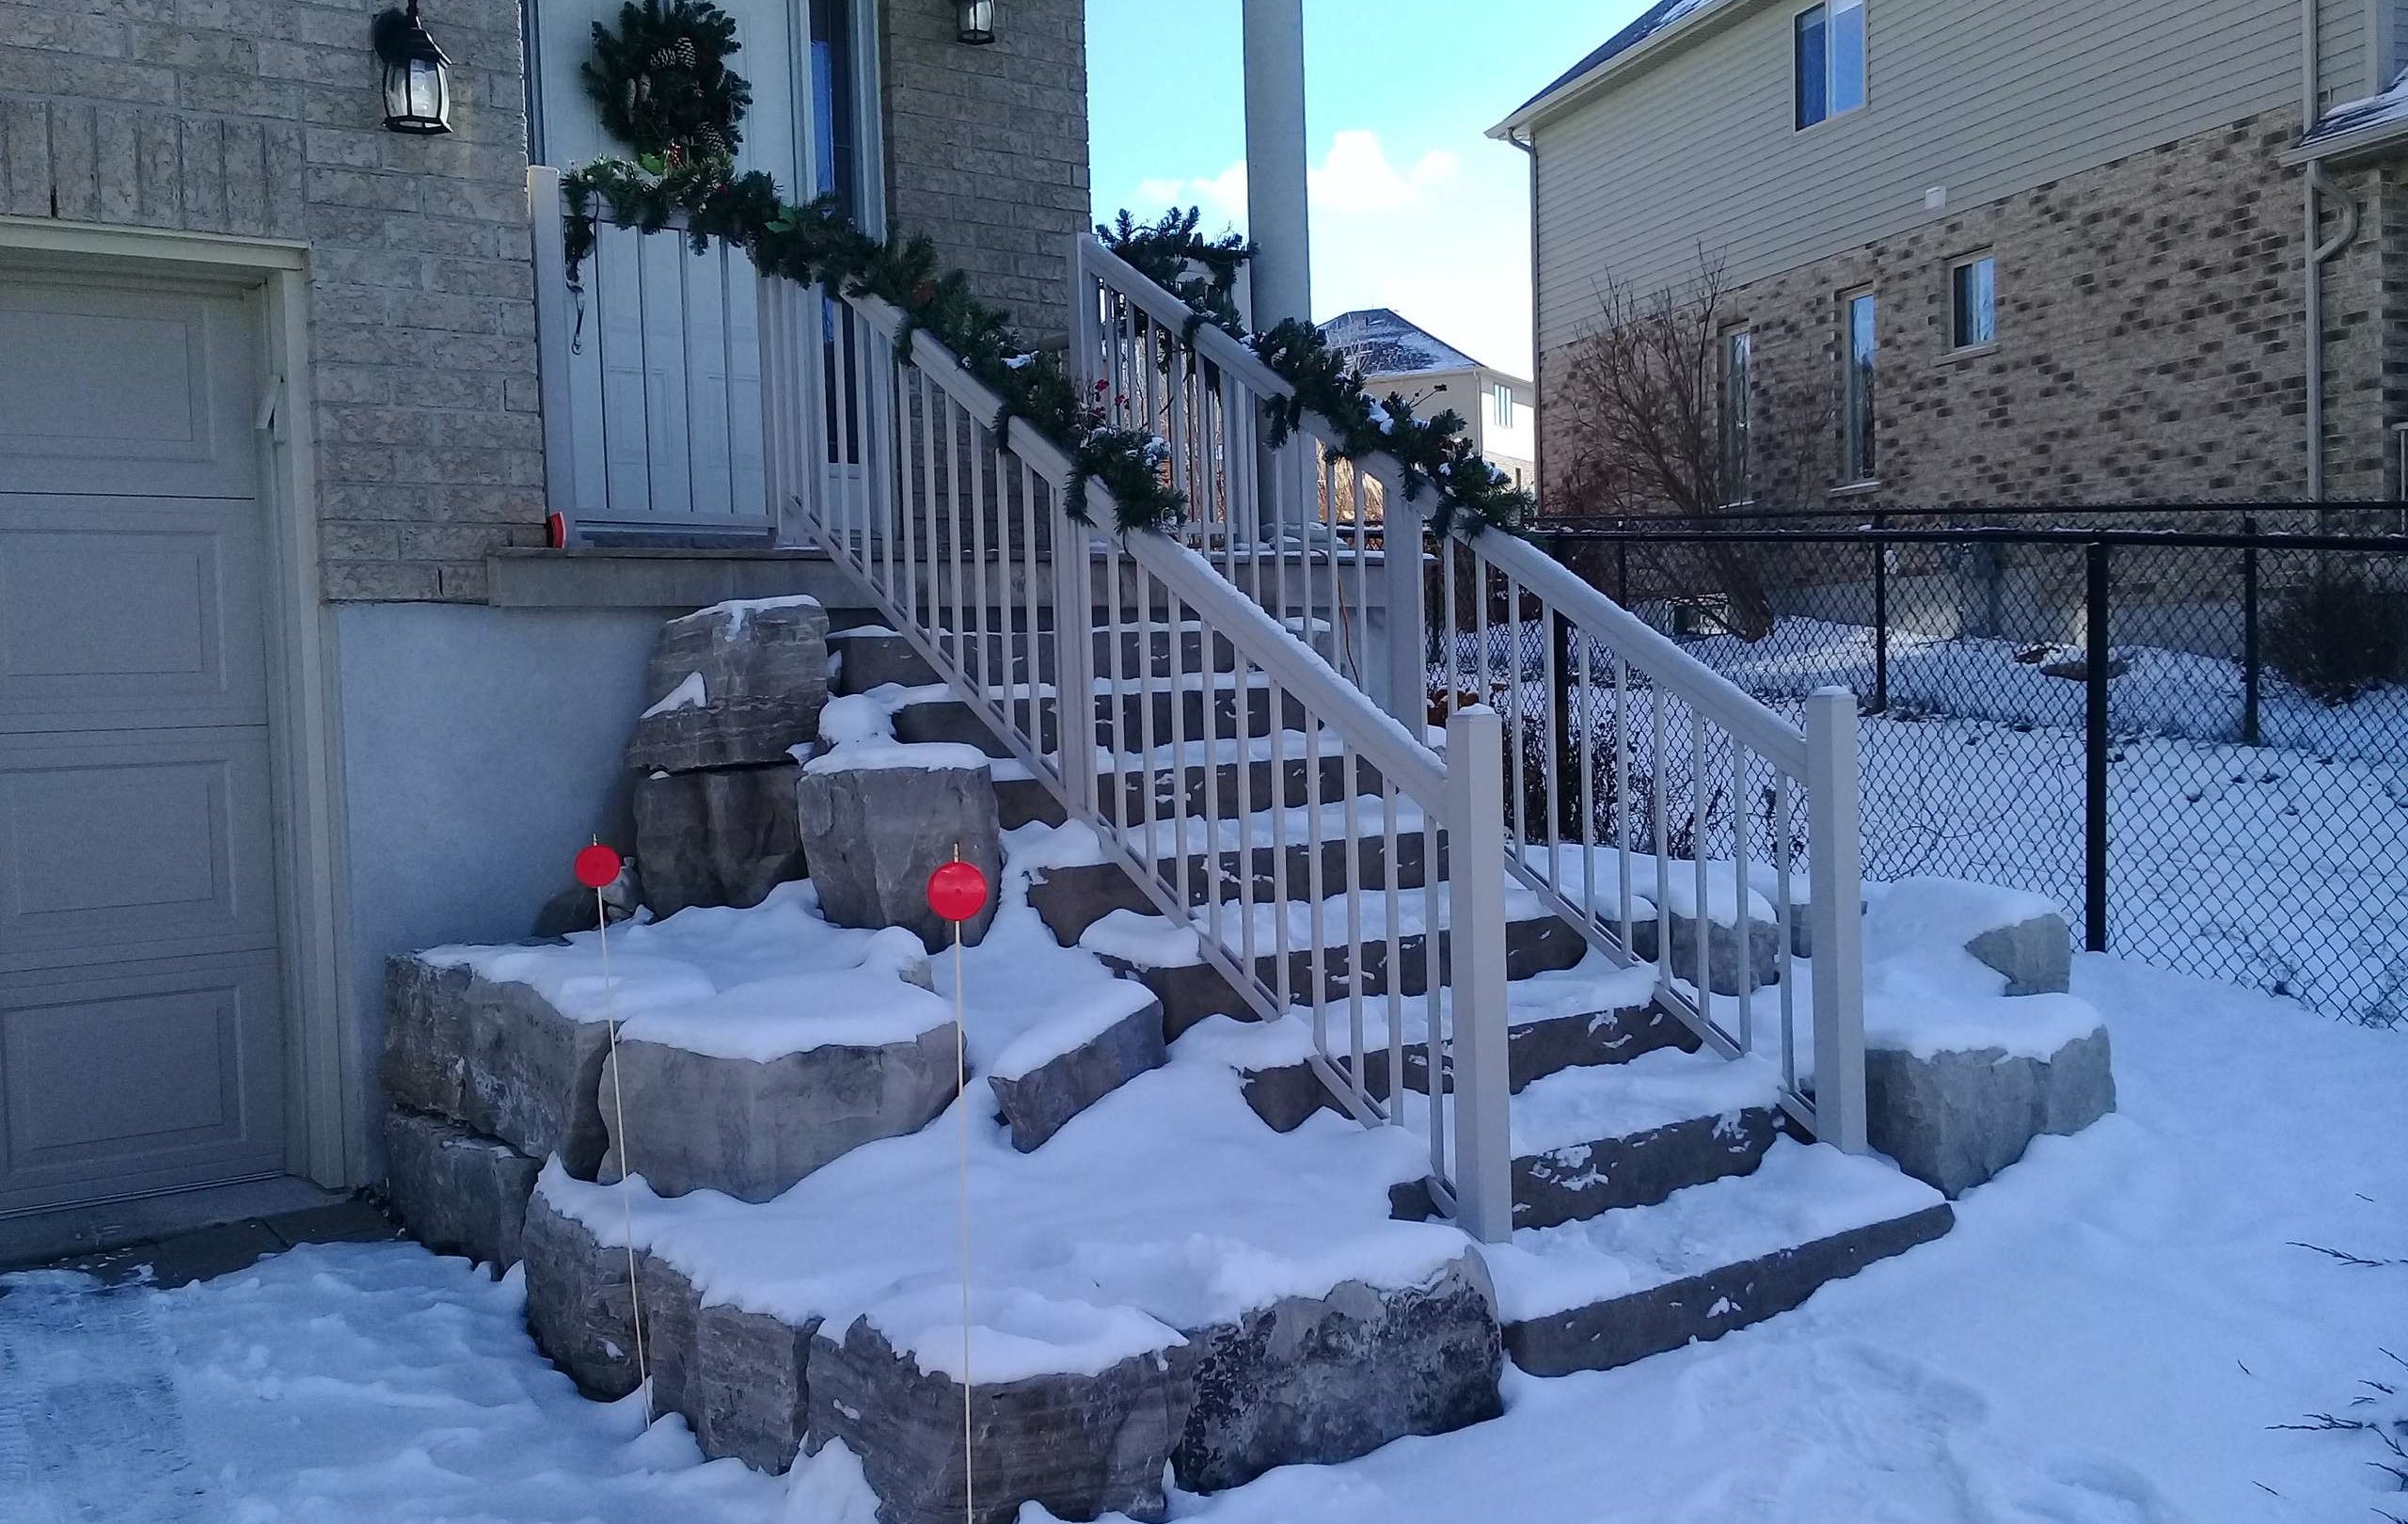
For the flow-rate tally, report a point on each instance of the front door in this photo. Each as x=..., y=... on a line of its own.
x=664, y=371
x=141, y=1021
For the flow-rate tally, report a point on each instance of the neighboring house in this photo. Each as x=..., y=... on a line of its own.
x=2044, y=250
x=1393, y=354
x=287, y=681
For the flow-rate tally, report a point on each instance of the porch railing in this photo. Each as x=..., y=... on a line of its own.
x=1650, y=803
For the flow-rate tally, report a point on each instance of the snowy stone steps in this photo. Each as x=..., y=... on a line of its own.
x=874, y=655
x=1132, y=719
x=1166, y=960
x=1627, y=1283
x=1072, y=898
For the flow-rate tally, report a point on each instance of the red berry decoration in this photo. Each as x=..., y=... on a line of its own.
x=597, y=866
x=957, y=891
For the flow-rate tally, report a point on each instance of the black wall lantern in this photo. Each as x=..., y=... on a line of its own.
x=977, y=21
x=418, y=77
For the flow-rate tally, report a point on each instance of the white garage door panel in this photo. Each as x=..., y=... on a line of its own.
x=134, y=849
x=117, y=391
x=142, y=1029
x=130, y=612
x=139, y=1081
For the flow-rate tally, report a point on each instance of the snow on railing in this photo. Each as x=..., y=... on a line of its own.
x=1651, y=804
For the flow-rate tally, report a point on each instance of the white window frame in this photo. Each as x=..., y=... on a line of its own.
x=1958, y=347
x=1832, y=111
x=1501, y=404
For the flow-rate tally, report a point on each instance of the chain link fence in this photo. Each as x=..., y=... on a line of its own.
x=2187, y=726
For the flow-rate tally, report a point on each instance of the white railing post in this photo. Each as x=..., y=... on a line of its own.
x=1483, y=1160
x=554, y=324
x=1407, y=699
x=1835, y=864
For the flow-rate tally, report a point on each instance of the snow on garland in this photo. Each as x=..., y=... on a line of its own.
x=814, y=243
x=662, y=84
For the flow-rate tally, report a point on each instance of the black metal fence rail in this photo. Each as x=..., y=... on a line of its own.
x=2224, y=790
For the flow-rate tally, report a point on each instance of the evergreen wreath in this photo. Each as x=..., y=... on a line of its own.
x=662, y=83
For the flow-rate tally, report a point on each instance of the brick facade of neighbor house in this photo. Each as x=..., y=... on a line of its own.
x=262, y=119
x=2149, y=341
x=987, y=148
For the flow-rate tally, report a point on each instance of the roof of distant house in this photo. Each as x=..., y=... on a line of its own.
x=1655, y=19
x=1376, y=341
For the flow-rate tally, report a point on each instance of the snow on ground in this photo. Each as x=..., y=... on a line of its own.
x=2108, y=1336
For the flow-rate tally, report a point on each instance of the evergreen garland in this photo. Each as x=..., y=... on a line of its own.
x=814, y=243
x=662, y=84
x=1435, y=451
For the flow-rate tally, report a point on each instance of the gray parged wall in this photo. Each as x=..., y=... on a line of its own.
x=1989, y=101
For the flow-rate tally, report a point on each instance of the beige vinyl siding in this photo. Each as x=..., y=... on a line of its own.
x=1699, y=149
x=2343, y=67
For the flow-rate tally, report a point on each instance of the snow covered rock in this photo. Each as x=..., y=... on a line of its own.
x=1081, y=1444
x=747, y=1394
x=1316, y=1380
x=457, y=1192
x=716, y=836
x=582, y=1315
x=879, y=817
x=751, y=1120
x=2015, y=933
x=494, y=1056
x=1076, y=1058
x=1724, y=961
x=735, y=684
x=1952, y=1117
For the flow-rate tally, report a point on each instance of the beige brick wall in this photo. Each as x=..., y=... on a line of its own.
x=2149, y=343
x=986, y=146
x=264, y=117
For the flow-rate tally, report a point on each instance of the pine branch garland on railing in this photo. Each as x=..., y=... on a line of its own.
x=814, y=243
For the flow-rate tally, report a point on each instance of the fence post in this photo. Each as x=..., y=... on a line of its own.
x=1483, y=1161
x=2249, y=668
x=1835, y=867
x=1881, y=619
x=2094, y=857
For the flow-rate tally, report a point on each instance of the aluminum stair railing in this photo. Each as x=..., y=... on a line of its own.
x=962, y=536
x=1664, y=812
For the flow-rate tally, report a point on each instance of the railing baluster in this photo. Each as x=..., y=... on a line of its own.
x=1741, y=887
x=1392, y=909
x=1697, y=858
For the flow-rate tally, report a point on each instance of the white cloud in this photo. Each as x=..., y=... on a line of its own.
x=1221, y=197
x=1357, y=177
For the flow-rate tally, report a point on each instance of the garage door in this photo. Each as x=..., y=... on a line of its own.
x=141, y=1033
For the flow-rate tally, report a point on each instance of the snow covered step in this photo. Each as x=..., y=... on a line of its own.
x=876, y=654
x=1169, y=958
x=1618, y=1135
x=873, y=656
x=1557, y=1019
x=1239, y=776
x=941, y=716
x=1211, y=857
x=1639, y=1282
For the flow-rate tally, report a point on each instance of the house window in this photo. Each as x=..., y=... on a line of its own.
x=1504, y=405
x=1830, y=60
x=1973, y=303
x=1738, y=359
x=1857, y=462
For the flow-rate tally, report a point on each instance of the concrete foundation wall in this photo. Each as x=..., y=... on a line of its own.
x=481, y=749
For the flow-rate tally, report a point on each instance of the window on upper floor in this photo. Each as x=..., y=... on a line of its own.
x=1973, y=302
x=1501, y=404
x=1739, y=365
x=1830, y=60
x=1857, y=460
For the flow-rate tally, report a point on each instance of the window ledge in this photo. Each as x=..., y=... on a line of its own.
x=1856, y=489
x=1969, y=352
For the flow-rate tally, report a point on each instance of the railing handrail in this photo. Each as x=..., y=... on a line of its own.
x=1407, y=762
x=1646, y=648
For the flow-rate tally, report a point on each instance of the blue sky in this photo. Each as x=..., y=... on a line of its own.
x=1412, y=207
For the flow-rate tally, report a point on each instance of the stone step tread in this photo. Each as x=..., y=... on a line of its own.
x=1716, y=1256
x=1599, y=1103
x=1143, y=940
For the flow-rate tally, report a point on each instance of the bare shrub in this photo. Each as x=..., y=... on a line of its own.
x=2340, y=633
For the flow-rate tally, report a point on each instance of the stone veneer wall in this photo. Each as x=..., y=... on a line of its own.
x=2149, y=341
x=986, y=146
x=262, y=118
